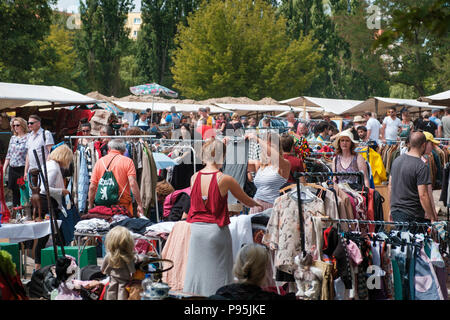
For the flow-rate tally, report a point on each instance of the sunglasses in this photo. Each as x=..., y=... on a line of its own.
x=85, y=130
x=16, y=125
x=31, y=123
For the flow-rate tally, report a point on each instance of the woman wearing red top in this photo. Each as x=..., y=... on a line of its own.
x=287, y=144
x=210, y=256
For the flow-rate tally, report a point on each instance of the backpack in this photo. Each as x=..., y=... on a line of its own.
x=108, y=188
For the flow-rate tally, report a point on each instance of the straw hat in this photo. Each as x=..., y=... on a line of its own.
x=358, y=119
x=346, y=133
x=328, y=114
x=430, y=137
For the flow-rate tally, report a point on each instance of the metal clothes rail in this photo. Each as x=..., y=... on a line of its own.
x=379, y=222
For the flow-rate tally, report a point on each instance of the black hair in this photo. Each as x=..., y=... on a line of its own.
x=363, y=128
x=287, y=142
x=321, y=127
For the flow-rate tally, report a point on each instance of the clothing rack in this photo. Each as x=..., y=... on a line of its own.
x=297, y=175
x=322, y=153
x=378, y=222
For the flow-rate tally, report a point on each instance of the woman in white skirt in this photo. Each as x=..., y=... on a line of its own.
x=210, y=255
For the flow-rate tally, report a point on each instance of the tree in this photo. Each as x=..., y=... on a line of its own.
x=60, y=67
x=415, y=39
x=240, y=48
x=156, y=37
x=102, y=41
x=23, y=25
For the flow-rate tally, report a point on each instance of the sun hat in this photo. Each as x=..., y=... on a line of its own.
x=430, y=137
x=346, y=133
x=357, y=119
x=328, y=114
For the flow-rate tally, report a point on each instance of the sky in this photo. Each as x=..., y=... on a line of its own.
x=72, y=5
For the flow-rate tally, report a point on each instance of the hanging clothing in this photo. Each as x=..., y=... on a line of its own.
x=376, y=164
x=149, y=178
x=176, y=249
x=283, y=235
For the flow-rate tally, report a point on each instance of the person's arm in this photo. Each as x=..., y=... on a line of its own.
x=439, y=131
x=236, y=190
x=137, y=195
x=382, y=131
x=362, y=166
x=27, y=164
x=91, y=194
x=426, y=202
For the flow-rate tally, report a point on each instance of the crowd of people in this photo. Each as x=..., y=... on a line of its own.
x=273, y=159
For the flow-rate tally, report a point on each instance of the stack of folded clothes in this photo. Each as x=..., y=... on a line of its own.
x=107, y=213
x=92, y=226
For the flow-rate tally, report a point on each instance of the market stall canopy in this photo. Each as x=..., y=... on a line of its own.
x=254, y=107
x=245, y=109
x=440, y=99
x=161, y=107
x=15, y=95
x=380, y=105
x=335, y=106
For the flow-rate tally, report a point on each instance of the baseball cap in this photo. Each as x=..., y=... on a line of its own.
x=430, y=137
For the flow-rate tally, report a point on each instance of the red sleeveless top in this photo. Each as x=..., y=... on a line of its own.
x=215, y=210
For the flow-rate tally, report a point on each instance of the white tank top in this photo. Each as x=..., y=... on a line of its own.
x=268, y=183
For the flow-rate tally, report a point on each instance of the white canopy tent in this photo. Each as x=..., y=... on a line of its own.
x=380, y=105
x=14, y=95
x=161, y=107
x=442, y=99
x=335, y=106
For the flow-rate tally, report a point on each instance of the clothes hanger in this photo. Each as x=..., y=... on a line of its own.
x=283, y=191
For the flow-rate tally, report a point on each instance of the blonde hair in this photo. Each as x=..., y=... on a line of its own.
x=63, y=155
x=213, y=151
x=234, y=116
x=251, y=264
x=269, y=137
x=22, y=122
x=120, y=246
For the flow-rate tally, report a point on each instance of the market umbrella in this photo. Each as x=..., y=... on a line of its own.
x=162, y=161
x=153, y=89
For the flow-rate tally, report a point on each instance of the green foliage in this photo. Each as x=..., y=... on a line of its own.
x=240, y=48
x=101, y=42
x=23, y=25
x=415, y=39
x=60, y=66
x=156, y=37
